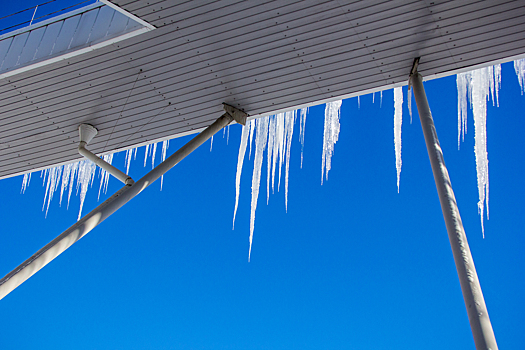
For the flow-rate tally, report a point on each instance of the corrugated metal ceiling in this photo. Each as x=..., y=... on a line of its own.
x=262, y=56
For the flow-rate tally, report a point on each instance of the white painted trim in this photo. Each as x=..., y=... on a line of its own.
x=126, y=13
x=73, y=53
x=477, y=66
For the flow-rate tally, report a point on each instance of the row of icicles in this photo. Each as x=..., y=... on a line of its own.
x=273, y=134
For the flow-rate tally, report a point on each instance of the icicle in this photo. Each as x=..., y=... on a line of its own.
x=478, y=86
x=127, y=160
x=289, y=124
x=240, y=160
x=381, y=99
x=302, y=127
x=519, y=68
x=153, y=153
x=165, y=146
x=276, y=146
x=146, y=154
x=398, y=120
x=480, y=92
x=409, y=98
x=281, y=144
x=358, y=102
x=228, y=135
x=252, y=132
x=211, y=143
x=271, y=141
x=461, y=83
x=104, y=175
x=74, y=170
x=261, y=138
x=497, y=81
x=25, y=182
x=53, y=180
x=86, y=174
x=374, y=97
x=43, y=175
x=331, y=135
x=66, y=173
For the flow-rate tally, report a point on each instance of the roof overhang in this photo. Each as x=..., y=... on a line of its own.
x=261, y=56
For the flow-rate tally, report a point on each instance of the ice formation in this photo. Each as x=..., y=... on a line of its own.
x=240, y=160
x=519, y=68
x=331, y=135
x=477, y=87
x=261, y=138
x=165, y=145
x=83, y=174
x=273, y=133
x=25, y=182
x=398, y=120
x=409, y=100
x=104, y=175
x=302, y=127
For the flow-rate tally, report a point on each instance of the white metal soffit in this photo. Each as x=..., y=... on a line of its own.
x=262, y=56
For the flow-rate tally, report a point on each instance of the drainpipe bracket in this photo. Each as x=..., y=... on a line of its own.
x=237, y=115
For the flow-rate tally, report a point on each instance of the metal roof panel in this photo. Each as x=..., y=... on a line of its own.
x=264, y=56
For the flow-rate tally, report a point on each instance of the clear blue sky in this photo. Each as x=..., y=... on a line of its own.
x=352, y=265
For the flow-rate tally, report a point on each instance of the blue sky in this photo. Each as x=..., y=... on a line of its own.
x=352, y=265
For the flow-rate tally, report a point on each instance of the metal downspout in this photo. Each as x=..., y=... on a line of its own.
x=54, y=248
x=477, y=310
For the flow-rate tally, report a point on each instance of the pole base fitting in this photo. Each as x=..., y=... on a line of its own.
x=237, y=115
x=87, y=132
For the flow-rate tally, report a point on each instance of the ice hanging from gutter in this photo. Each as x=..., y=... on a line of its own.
x=261, y=138
x=302, y=127
x=398, y=120
x=477, y=87
x=275, y=134
x=331, y=135
x=519, y=68
x=64, y=176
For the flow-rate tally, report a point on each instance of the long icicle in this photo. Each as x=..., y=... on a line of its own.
x=478, y=86
x=290, y=122
x=272, y=127
x=261, y=138
x=331, y=135
x=302, y=128
x=519, y=68
x=398, y=120
x=240, y=160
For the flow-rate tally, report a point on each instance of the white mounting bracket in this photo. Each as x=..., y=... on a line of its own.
x=237, y=115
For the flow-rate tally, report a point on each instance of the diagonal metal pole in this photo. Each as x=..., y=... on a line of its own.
x=468, y=278
x=54, y=248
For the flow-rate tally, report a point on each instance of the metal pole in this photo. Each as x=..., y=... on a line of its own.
x=54, y=248
x=468, y=278
x=121, y=176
